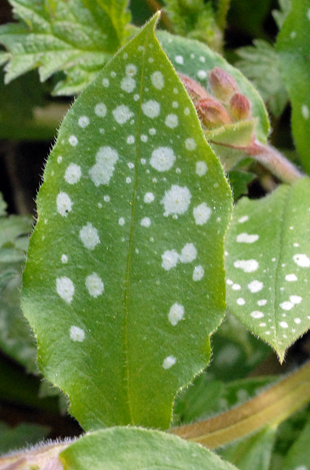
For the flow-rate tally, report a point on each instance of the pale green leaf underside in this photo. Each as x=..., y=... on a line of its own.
x=137, y=449
x=293, y=48
x=268, y=264
x=195, y=60
x=138, y=204
x=77, y=36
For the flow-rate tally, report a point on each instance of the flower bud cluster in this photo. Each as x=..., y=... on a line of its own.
x=225, y=105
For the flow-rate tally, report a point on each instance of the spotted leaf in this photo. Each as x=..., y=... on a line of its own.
x=268, y=264
x=125, y=281
x=293, y=48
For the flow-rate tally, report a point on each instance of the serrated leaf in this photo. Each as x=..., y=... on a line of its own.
x=68, y=35
x=281, y=14
x=268, y=264
x=239, y=181
x=16, y=339
x=133, y=448
x=261, y=65
x=139, y=205
x=293, y=48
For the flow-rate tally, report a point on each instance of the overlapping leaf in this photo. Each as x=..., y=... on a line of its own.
x=124, y=300
x=268, y=263
x=293, y=48
x=134, y=448
x=77, y=36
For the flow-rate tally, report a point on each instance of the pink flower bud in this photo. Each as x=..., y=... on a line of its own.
x=222, y=84
x=195, y=91
x=212, y=113
x=239, y=107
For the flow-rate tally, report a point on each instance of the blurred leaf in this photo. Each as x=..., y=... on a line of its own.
x=195, y=19
x=239, y=181
x=261, y=65
x=249, y=17
x=25, y=113
x=293, y=47
x=298, y=457
x=100, y=295
x=254, y=452
x=21, y=436
x=77, y=36
x=133, y=448
x=268, y=246
x=281, y=14
x=16, y=339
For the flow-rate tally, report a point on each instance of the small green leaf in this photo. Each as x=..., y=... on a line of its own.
x=261, y=65
x=134, y=448
x=268, y=263
x=71, y=35
x=281, y=14
x=293, y=48
x=298, y=457
x=239, y=181
x=21, y=436
x=139, y=206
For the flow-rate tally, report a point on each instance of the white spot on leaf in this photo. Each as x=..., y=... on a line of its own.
x=287, y=305
x=73, y=140
x=201, y=168
x=148, y=198
x=121, y=114
x=157, y=80
x=257, y=314
x=176, y=314
x=170, y=259
x=305, y=111
x=169, y=361
x=65, y=289
x=198, y=273
x=302, y=260
x=89, y=236
x=176, y=200
x=243, y=219
x=190, y=144
x=202, y=214
x=101, y=110
x=151, y=109
x=73, y=173
x=255, y=286
x=179, y=59
x=248, y=266
x=145, y=222
x=64, y=204
x=102, y=171
x=94, y=285
x=188, y=253
x=245, y=238
x=162, y=159
x=172, y=121
x=128, y=84
x=83, y=121
x=77, y=334
x=291, y=277
x=240, y=301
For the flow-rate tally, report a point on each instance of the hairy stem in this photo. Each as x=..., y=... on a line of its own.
x=275, y=162
x=269, y=408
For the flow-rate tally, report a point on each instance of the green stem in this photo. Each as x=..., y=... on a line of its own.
x=269, y=408
x=221, y=14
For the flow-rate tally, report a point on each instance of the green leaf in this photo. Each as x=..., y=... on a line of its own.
x=21, y=436
x=253, y=452
x=77, y=36
x=293, y=48
x=195, y=60
x=298, y=456
x=134, y=448
x=239, y=181
x=261, y=65
x=135, y=284
x=268, y=264
x=281, y=14
x=16, y=339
